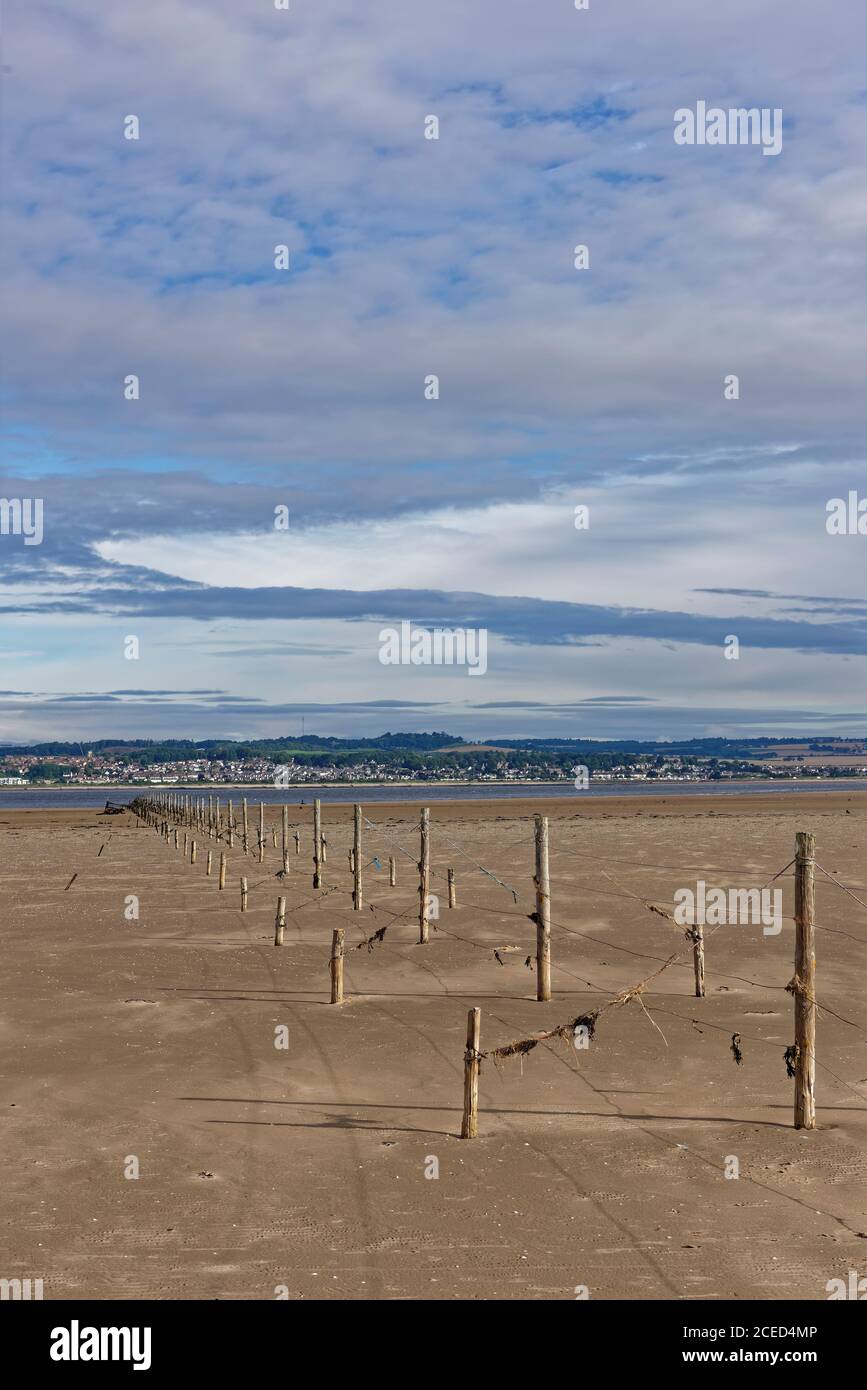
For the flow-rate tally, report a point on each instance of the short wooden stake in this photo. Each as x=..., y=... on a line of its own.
x=222, y=880
x=697, y=934
x=245, y=840
x=317, y=843
x=176, y=839
x=208, y=865
x=470, y=1122
x=337, y=966
x=804, y=983
x=231, y=827
x=451, y=878
x=391, y=872
x=424, y=878
x=543, y=911
x=356, y=861
x=193, y=850
x=243, y=895
x=285, y=829
x=261, y=831
x=280, y=922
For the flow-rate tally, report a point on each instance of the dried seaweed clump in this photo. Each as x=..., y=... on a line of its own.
x=372, y=940
x=515, y=1049
x=790, y=1057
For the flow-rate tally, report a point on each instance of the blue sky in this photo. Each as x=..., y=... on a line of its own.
x=304, y=387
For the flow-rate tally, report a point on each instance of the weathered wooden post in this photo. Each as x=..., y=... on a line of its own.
x=424, y=878
x=323, y=850
x=317, y=843
x=356, y=860
x=185, y=844
x=337, y=966
x=222, y=879
x=280, y=922
x=231, y=826
x=297, y=841
x=391, y=872
x=285, y=828
x=470, y=1122
x=176, y=837
x=696, y=933
x=193, y=852
x=243, y=895
x=451, y=879
x=543, y=911
x=208, y=865
x=245, y=836
x=804, y=984
x=261, y=832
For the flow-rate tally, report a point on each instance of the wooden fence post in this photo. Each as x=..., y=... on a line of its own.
x=243, y=895
x=451, y=879
x=317, y=843
x=193, y=851
x=231, y=826
x=804, y=983
x=261, y=832
x=280, y=922
x=297, y=841
x=470, y=1122
x=543, y=911
x=356, y=860
x=222, y=880
x=285, y=839
x=337, y=966
x=391, y=872
x=245, y=841
x=424, y=878
x=208, y=865
x=697, y=934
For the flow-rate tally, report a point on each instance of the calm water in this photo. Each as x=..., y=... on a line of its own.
x=85, y=797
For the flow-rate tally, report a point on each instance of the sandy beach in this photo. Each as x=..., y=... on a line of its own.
x=304, y=1170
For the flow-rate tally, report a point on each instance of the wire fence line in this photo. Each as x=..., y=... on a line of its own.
x=633, y=992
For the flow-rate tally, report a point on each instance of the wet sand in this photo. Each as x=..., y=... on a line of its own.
x=303, y=1167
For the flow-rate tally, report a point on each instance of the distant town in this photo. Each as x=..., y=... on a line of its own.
x=412, y=758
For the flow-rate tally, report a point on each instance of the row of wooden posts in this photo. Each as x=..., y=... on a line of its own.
x=802, y=985
x=194, y=811
x=172, y=809
x=206, y=814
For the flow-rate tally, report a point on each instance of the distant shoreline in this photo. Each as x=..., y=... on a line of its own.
x=652, y=782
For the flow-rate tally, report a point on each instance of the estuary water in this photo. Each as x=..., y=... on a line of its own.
x=83, y=798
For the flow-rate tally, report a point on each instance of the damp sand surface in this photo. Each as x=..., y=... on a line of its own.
x=149, y=1045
